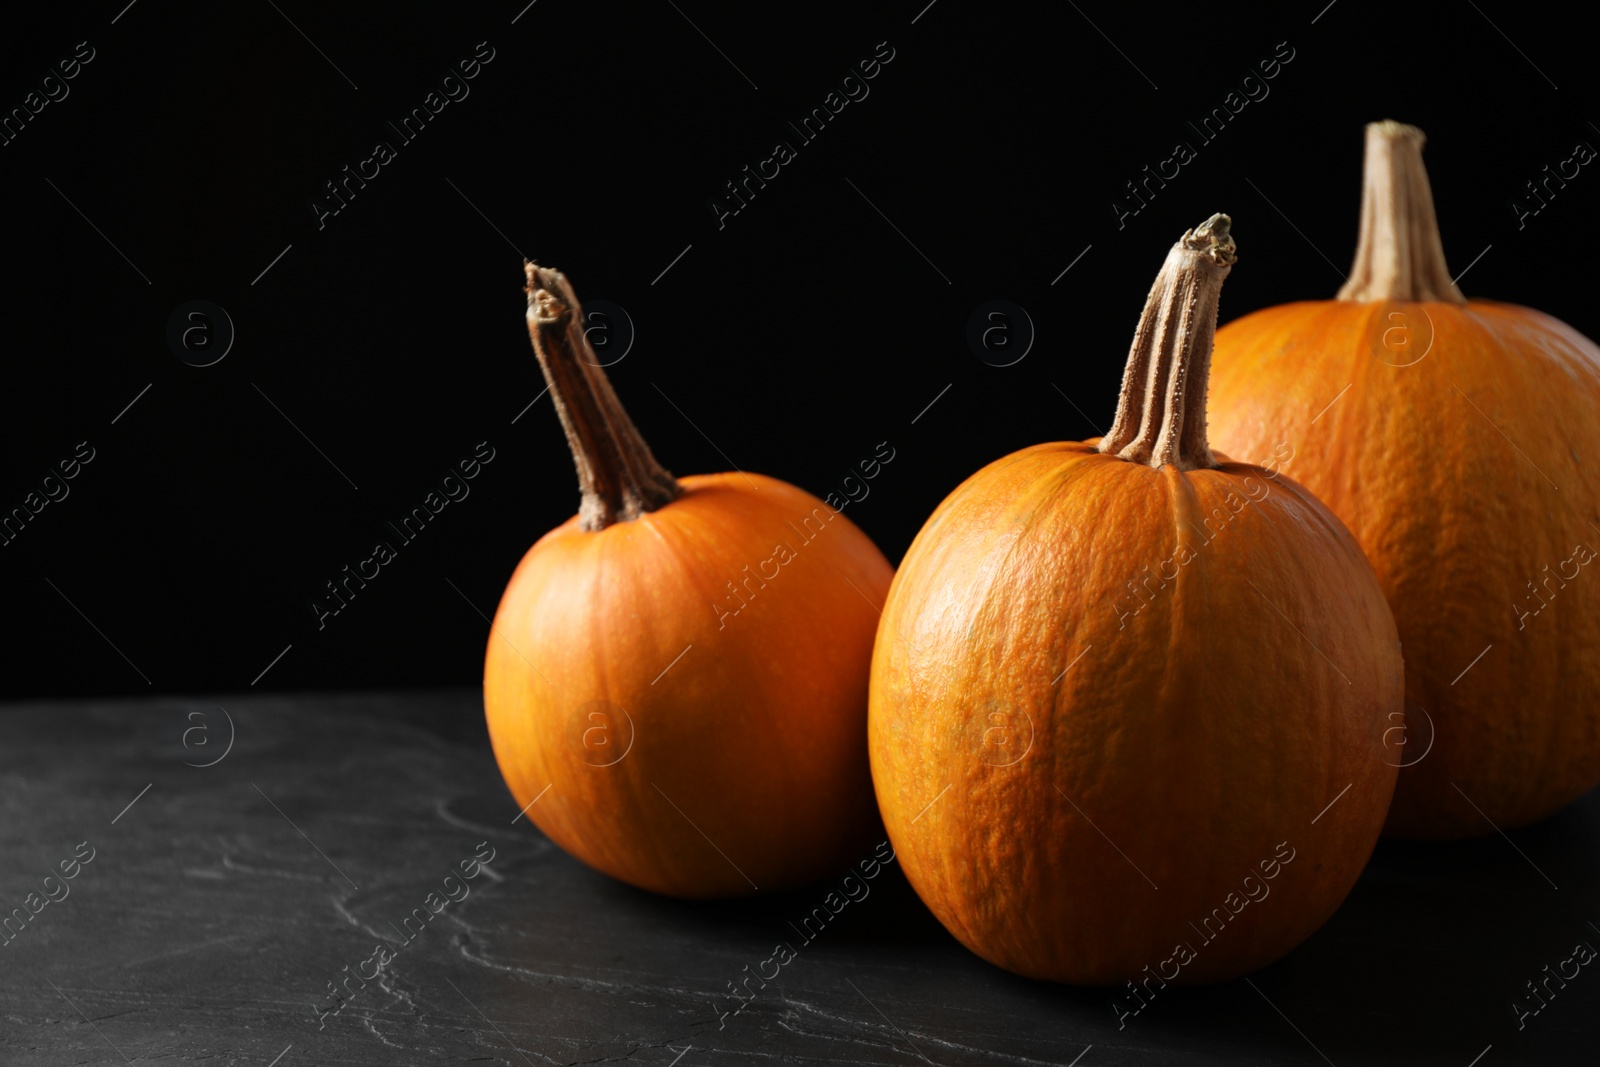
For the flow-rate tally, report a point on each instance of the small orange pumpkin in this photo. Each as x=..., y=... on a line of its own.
x=1461, y=444
x=1118, y=688
x=676, y=678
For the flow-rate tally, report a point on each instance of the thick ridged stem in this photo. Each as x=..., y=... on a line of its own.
x=1161, y=415
x=1399, y=256
x=617, y=475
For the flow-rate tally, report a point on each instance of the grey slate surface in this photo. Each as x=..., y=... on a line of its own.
x=219, y=906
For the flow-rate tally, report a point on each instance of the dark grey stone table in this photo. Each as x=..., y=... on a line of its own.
x=215, y=911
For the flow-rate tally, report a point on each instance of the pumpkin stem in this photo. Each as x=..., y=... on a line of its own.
x=1399, y=255
x=1161, y=415
x=618, y=476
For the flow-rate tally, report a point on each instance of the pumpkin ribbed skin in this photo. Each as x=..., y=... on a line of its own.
x=1465, y=459
x=746, y=768
x=1191, y=738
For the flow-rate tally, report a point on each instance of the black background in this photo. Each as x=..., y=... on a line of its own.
x=795, y=338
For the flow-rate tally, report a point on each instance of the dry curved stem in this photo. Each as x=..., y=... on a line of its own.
x=1399, y=255
x=1161, y=414
x=617, y=474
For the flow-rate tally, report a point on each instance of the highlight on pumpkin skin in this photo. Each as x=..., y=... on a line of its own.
x=639, y=729
x=1185, y=663
x=1460, y=442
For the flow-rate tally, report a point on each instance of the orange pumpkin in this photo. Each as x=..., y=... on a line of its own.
x=676, y=678
x=1461, y=444
x=1117, y=688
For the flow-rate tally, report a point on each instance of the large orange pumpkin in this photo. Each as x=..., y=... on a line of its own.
x=1461, y=444
x=1128, y=698
x=676, y=678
